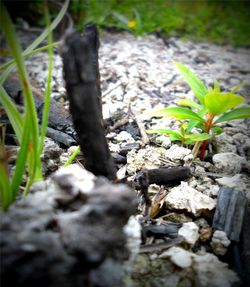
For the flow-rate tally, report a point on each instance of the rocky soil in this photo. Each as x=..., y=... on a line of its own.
x=137, y=76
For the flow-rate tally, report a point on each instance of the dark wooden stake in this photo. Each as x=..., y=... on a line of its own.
x=81, y=74
x=229, y=213
x=166, y=176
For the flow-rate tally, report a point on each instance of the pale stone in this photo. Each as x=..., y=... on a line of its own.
x=210, y=271
x=178, y=256
x=237, y=182
x=225, y=143
x=83, y=180
x=176, y=153
x=164, y=141
x=184, y=197
x=220, y=242
x=190, y=232
x=204, y=265
x=124, y=137
x=228, y=162
x=147, y=158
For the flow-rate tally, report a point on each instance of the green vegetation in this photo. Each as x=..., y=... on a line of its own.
x=203, y=20
x=29, y=135
x=214, y=107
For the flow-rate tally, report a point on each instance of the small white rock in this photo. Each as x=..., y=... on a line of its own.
x=83, y=180
x=236, y=181
x=187, y=198
x=190, y=232
x=228, y=162
x=164, y=141
x=212, y=272
x=124, y=137
x=133, y=232
x=220, y=242
x=178, y=256
x=148, y=158
x=176, y=153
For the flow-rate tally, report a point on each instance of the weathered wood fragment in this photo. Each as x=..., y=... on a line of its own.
x=60, y=137
x=81, y=73
x=229, y=213
x=245, y=247
x=162, y=230
x=159, y=247
x=167, y=176
x=59, y=118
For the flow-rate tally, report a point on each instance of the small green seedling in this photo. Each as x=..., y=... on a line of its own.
x=184, y=136
x=213, y=108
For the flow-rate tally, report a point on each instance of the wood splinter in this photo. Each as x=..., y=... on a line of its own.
x=81, y=74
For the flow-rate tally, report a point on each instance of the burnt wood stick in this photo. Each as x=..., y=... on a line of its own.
x=167, y=176
x=60, y=137
x=59, y=117
x=81, y=74
x=229, y=212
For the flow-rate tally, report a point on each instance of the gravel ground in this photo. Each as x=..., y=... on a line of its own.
x=138, y=74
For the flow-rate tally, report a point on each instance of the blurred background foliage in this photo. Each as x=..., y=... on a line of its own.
x=219, y=21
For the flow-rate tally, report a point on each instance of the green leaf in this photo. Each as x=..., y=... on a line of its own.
x=192, y=124
x=179, y=113
x=183, y=129
x=164, y=132
x=239, y=113
x=218, y=103
x=216, y=86
x=236, y=88
x=175, y=138
x=217, y=130
x=189, y=103
x=198, y=137
x=197, y=86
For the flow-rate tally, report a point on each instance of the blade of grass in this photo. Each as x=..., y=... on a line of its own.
x=29, y=53
x=15, y=49
x=21, y=160
x=5, y=189
x=72, y=157
x=15, y=118
x=38, y=40
x=46, y=105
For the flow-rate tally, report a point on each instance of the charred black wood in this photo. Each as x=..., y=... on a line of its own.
x=166, y=176
x=60, y=137
x=233, y=217
x=81, y=73
x=158, y=247
x=144, y=183
x=245, y=247
x=119, y=159
x=162, y=230
x=128, y=147
x=229, y=212
x=59, y=117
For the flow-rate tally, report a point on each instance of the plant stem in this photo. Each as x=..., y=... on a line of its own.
x=208, y=124
x=203, y=149
x=196, y=148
